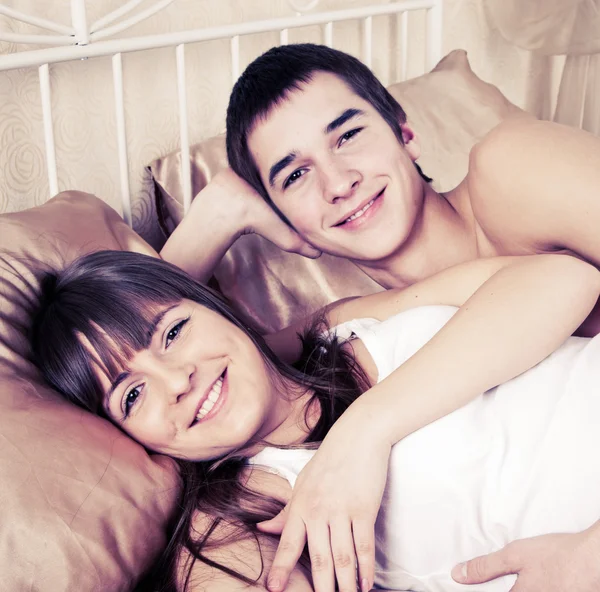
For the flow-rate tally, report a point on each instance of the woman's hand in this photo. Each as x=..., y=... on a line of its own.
x=333, y=507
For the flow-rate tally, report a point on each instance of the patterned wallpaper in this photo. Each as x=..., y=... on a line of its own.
x=83, y=103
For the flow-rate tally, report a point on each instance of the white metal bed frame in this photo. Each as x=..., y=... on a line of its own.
x=83, y=40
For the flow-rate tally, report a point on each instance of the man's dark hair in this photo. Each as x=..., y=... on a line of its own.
x=267, y=81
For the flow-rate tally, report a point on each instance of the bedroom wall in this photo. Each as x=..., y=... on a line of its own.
x=82, y=93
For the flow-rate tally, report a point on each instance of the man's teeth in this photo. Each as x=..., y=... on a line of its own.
x=213, y=397
x=360, y=212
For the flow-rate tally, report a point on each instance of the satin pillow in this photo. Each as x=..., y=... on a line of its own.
x=83, y=508
x=450, y=109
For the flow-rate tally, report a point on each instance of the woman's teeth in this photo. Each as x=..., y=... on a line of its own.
x=360, y=212
x=213, y=397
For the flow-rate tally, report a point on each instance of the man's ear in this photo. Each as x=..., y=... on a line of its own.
x=411, y=141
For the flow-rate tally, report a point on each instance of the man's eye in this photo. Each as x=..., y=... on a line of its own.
x=349, y=134
x=293, y=177
x=131, y=398
x=174, y=332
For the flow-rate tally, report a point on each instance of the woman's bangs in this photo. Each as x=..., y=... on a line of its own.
x=119, y=328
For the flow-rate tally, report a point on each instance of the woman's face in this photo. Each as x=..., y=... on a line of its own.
x=200, y=390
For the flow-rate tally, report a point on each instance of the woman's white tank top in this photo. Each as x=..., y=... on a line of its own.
x=518, y=461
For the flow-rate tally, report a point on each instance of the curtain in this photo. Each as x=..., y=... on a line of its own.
x=560, y=27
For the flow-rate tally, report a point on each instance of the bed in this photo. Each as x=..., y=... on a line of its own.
x=83, y=507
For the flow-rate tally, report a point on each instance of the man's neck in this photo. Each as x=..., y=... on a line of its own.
x=444, y=235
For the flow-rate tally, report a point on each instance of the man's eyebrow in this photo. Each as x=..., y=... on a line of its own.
x=156, y=321
x=342, y=119
x=332, y=126
x=279, y=166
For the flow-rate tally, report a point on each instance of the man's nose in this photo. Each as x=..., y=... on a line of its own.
x=340, y=181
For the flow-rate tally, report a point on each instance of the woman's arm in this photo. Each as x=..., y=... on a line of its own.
x=224, y=210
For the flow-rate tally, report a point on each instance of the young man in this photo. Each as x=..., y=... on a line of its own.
x=314, y=137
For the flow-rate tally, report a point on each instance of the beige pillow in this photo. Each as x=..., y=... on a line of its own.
x=450, y=109
x=82, y=507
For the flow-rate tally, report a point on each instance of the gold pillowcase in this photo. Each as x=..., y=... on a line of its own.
x=450, y=109
x=83, y=508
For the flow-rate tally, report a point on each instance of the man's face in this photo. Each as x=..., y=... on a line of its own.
x=336, y=170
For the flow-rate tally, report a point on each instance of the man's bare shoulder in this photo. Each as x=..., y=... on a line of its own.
x=527, y=142
x=524, y=137
x=537, y=184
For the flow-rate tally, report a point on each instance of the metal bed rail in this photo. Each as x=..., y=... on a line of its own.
x=87, y=42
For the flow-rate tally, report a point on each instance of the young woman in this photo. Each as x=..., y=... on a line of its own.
x=135, y=339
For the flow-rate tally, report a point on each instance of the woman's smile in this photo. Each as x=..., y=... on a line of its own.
x=213, y=402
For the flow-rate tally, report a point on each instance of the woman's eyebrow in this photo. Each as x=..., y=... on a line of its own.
x=155, y=323
x=113, y=387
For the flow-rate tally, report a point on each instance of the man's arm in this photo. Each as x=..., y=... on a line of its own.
x=535, y=187
x=552, y=563
x=223, y=211
x=452, y=286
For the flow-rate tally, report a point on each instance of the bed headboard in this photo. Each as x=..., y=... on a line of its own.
x=100, y=39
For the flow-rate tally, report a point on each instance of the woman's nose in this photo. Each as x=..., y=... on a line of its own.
x=176, y=379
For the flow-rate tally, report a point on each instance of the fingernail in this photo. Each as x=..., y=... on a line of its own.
x=459, y=572
x=274, y=584
x=364, y=585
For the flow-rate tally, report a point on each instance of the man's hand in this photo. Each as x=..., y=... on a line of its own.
x=333, y=508
x=552, y=563
x=223, y=211
x=236, y=199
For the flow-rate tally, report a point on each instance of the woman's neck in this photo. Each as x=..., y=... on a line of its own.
x=293, y=417
x=296, y=415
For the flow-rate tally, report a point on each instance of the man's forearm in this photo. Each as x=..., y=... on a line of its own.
x=198, y=244
x=214, y=222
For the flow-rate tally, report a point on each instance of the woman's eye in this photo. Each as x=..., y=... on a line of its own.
x=130, y=399
x=293, y=177
x=349, y=134
x=174, y=332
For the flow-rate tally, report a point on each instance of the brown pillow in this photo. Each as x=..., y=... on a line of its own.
x=83, y=508
x=450, y=109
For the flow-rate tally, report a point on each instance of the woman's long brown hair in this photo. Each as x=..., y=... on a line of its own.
x=110, y=297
